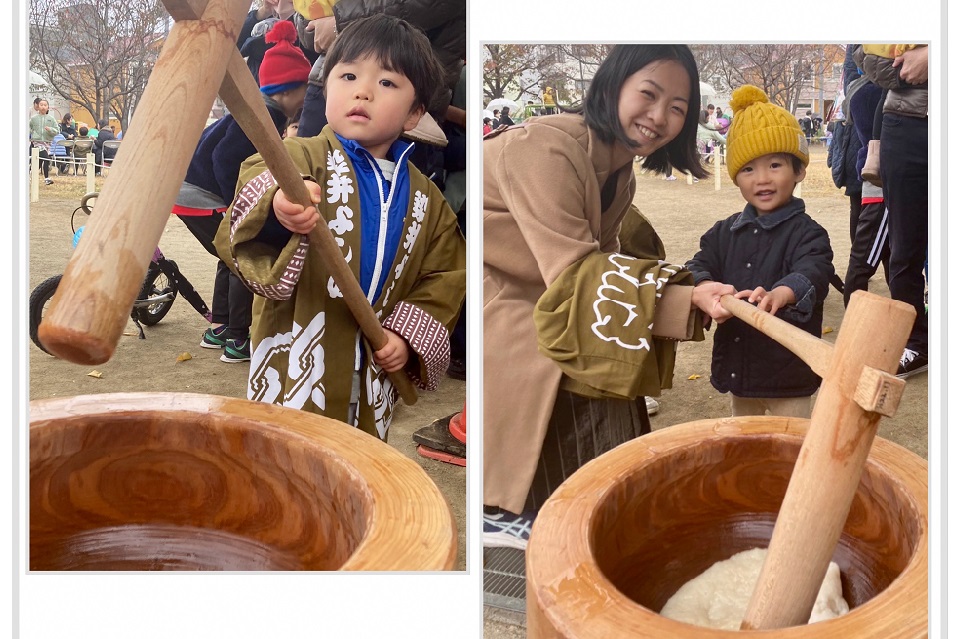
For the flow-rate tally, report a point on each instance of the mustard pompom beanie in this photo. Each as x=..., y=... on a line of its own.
x=760, y=127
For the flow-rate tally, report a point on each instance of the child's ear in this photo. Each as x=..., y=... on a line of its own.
x=414, y=118
x=802, y=173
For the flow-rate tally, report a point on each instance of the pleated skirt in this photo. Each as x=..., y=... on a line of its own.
x=580, y=430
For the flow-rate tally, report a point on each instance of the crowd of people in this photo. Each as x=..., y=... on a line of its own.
x=49, y=134
x=583, y=308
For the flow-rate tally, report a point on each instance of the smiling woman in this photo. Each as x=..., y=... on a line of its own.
x=556, y=192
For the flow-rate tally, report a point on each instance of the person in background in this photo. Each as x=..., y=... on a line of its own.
x=487, y=125
x=211, y=181
x=904, y=171
x=505, y=119
x=292, y=126
x=68, y=127
x=103, y=135
x=43, y=128
x=58, y=152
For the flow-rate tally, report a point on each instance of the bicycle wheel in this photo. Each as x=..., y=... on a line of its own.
x=156, y=283
x=38, y=303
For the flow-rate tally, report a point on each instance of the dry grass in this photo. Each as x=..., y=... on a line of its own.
x=67, y=187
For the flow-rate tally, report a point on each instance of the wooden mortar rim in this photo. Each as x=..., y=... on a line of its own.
x=569, y=596
x=407, y=512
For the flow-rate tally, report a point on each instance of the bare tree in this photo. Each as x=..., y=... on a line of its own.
x=517, y=68
x=97, y=54
x=781, y=70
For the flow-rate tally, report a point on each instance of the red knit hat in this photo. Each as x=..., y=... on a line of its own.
x=284, y=64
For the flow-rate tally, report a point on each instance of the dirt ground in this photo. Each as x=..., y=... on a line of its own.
x=681, y=213
x=151, y=364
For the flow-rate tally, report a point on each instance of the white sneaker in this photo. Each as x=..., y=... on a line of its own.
x=507, y=530
x=670, y=178
x=653, y=406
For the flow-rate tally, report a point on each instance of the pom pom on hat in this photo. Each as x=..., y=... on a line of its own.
x=283, y=30
x=759, y=128
x=745, y=96
x=284, y=64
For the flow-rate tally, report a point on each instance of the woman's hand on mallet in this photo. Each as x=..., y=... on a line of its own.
x=706, y=297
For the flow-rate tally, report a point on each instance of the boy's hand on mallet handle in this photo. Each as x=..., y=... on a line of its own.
x=394, y=355
x=294, y=217
x=706, y=297
x=770, y=301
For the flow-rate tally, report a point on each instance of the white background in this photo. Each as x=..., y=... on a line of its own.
x=442, y=606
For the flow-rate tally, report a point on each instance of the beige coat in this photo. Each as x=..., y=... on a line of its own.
x=542, y=185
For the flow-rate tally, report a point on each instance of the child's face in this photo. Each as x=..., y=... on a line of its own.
x=653, y=105
x=291, y=131
x=370, y=104
x=768, y=181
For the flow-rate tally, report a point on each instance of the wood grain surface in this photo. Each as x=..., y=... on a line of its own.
x=90, y=308
x=171, y=481
x=625, y=532
x=823, y=483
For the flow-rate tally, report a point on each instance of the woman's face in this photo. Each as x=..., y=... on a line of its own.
x=653, y=105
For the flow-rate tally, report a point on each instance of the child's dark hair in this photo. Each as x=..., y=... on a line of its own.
x=601, y=105
x=83, y=131
x=295, y=119
x=397, y=46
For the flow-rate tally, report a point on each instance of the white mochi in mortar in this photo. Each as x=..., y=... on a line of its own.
x=718, y=597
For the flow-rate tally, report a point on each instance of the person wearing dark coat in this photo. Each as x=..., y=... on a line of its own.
x=211, y=182
x=99, y=152
x=443, y=21
x=773, y=253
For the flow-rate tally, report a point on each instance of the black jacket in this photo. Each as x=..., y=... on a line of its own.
x=842, y=159
x=786, y=247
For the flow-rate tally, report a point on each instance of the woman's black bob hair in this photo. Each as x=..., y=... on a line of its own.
x=601, y=105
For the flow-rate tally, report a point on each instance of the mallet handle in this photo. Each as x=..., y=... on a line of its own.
x=831, y=460
x=815, y=352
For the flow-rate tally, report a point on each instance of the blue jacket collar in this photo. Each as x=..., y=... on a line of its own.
x=398, y=150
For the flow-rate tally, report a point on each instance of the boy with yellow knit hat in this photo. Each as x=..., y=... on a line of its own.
x=773, y=253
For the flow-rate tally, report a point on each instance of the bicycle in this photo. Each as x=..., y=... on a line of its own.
x=161, y=285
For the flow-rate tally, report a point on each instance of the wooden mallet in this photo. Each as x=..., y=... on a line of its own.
x=90, y=308
x=857, y=389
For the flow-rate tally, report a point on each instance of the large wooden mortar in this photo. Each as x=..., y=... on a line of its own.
x=173, y=481
x=621, y=535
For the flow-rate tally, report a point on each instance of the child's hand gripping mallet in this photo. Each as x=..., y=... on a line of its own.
x=857, y=389
x=95, y=307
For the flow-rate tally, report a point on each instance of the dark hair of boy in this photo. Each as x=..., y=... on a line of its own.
x=601, y=105
x=398, y=47
x=295, y=119
x=83, y=131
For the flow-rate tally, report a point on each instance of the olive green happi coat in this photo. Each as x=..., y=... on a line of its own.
x=590, y=321
x=305, y=340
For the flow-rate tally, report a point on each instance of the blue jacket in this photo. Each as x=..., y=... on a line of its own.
x=786, y=247
x=215, y=165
